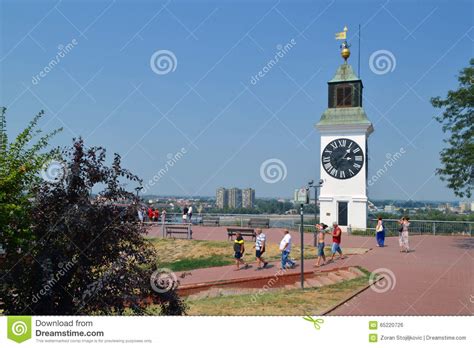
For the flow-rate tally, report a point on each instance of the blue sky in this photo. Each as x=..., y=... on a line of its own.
x=105, y=89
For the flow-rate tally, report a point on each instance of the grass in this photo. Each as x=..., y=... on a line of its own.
x=184, y=255
x=194, y=263
x=314, y=301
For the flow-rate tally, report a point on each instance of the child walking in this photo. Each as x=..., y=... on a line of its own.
x=239, y=250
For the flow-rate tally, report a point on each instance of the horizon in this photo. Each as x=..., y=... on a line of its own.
x=289, y=198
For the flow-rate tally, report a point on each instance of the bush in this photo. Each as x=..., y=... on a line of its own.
x=84, y=255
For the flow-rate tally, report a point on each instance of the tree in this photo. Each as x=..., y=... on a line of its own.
x=86, y=255
x=458, y=121
x=21, y=161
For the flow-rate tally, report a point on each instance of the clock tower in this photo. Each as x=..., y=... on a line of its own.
x=344, y=129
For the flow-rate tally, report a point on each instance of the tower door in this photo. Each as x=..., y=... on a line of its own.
x=342, y=213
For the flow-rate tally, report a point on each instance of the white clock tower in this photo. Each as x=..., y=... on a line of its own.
x=344, y=129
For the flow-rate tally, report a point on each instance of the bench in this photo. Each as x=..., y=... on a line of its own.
x=232, y=231
x=259, y=222
x=179, y=229
x=211, y=221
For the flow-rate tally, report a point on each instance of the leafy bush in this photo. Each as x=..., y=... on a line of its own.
x=84, y=255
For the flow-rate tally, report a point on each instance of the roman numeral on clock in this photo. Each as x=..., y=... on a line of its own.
x=359, y=158
x=326, y=159
x=342, y=142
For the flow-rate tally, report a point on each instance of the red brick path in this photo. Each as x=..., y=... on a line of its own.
x=436, y=278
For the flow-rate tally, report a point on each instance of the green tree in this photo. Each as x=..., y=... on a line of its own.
x=458, y=122
x=20, y=164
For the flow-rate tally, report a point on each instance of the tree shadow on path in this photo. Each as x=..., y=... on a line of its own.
x=464, y=243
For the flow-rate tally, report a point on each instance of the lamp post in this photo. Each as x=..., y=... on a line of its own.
x=311, y=184
x=138, y=189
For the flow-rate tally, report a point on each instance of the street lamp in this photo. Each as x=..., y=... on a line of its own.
x=311, y=184
x=138, y=189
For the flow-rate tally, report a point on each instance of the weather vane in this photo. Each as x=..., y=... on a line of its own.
x=345, y=52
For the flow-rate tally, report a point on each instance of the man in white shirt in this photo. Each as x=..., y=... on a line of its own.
x=285, y=248
x=260, y=242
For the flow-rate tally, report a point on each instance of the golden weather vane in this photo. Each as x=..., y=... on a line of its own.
x=345, y=52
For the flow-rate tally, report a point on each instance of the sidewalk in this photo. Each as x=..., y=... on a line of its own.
x=436, y=278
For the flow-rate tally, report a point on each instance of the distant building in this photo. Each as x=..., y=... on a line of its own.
x=472, y=206
x=389, y=209
x=222, y=198
x=248, y=198
x=464, y=206
x=235, y=198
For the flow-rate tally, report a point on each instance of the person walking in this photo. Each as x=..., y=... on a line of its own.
x=380, y=232
x=185, y=214
x=404, y=224
x=336, y=241
x=239, y=250
x=285, y=248
x=260, y=242
x=190, y=214
x=320, y=243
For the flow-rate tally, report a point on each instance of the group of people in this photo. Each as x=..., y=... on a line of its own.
x=322, y=230
x=285, y=247
x=149, y=214
x=260, y=245
x=153, y=215
x=404, y=223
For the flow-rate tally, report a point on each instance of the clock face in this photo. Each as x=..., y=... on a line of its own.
x=342, y=158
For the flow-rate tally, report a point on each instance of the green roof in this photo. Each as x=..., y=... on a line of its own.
x=344, y=116
x=344, y=73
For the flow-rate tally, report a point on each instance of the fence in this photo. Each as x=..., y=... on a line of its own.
x=417, y=227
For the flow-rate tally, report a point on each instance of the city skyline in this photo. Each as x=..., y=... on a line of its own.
x=224, y=109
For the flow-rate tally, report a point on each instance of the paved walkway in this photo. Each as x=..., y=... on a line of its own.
x=436, y=278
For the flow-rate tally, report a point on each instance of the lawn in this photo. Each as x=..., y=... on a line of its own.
x=183, y=255
x=313, y=301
